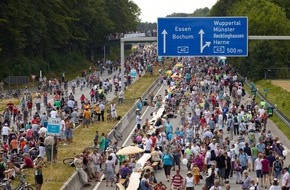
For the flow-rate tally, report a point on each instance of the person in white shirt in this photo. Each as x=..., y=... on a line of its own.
x=275, y=185
x=114, y=111
x=195, y=149
x=258, y=169
x=216, y=186
x=148, y=144
x=53, y=113
x=197, y=111
x=138, y=120
x=286, y=178
x=5, y=132
x=42, y=130
x=261, y=112
x=207, y=160
x=114, y=157
x=62, y=131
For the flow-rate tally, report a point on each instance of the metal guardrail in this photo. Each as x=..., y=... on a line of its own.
x=278, y=112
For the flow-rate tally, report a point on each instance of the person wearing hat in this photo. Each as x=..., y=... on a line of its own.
x=274, y=186
x=189, y=182
x=27, y=161
x=38, y=164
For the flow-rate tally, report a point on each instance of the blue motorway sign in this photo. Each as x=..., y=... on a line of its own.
x=53, y=126
x=206, y=36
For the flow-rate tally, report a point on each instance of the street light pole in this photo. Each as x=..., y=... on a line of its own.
x=122, y=65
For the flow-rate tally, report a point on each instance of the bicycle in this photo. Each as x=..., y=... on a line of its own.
x=109, y=116
x=69, y=161
x=22, y=185
x=118, y=136
x=94, y=118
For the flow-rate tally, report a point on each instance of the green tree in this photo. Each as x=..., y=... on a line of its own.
x=124, y=14
x=222, y=7
x=201, y=12
x=265, y=18
x=40, y=34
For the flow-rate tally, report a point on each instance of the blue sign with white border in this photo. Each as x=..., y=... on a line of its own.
x=203, y=36
x=53, y=126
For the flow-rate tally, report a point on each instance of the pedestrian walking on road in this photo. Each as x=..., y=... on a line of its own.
x=102, y=108
x=96, y=160
x=177, y=181
x=189, y=181
x=110, y=170
x=246, y=181
x=275, y=185
x=167, y=160
x=86, y=118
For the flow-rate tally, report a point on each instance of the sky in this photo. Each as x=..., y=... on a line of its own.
x=152, y=9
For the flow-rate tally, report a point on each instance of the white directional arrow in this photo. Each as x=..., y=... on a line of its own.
x=207, y=44
x=164, y=33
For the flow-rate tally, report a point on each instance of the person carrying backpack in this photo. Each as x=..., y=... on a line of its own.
x=277, y=168
x=236, y=125
x=212, y=155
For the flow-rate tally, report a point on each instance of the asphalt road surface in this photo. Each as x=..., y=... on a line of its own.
x=160, y=176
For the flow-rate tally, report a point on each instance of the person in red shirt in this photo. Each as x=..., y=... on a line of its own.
x=27, y=162
x=265, y=170
x=35, y=120
x=29, y=134
x=15, y=111
x=82, y=98
x=10, y=106
x=153, y=139
x=5, y=148
x=176, y=181
x=29, y=107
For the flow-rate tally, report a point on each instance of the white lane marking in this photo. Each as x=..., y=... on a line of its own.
x=125, y=142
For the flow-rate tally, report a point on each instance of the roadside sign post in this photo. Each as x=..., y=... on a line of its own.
x=53, y=128
x=33, y=78
x=266, y=90
x=206, y=36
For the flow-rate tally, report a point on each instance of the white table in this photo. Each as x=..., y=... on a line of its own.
x=135, y=176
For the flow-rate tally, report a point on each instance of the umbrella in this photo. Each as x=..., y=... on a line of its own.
x=178, y=65
x=168, y=72
x=100, y=91
x=130, y=150
x=176, y=76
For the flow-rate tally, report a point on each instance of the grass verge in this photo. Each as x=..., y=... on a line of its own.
x=280, y=124
x=277, y=95
x=4, y=102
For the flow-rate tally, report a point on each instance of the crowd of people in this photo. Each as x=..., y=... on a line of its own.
x=221, y=135
x=25, y=141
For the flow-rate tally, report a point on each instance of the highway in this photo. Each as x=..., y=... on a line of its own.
x=160, y=176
